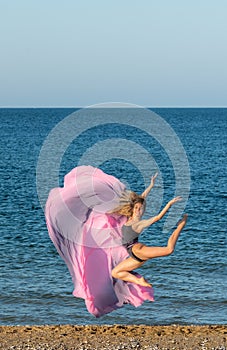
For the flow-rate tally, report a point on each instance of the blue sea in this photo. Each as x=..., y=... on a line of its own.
x=190, y=286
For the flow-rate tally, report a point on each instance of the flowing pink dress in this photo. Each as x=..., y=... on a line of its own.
x=89, y=239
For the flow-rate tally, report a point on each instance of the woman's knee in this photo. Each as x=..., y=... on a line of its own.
x=114, y=273
x=169, y=250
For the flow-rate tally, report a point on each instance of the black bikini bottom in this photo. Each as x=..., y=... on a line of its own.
x=129, y=250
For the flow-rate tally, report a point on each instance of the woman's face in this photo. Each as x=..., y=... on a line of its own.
x=138, y=210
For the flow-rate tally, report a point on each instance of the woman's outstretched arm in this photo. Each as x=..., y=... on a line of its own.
x=145, y=223
x=148, y=189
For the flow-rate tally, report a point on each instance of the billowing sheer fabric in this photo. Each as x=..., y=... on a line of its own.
x=89, y=240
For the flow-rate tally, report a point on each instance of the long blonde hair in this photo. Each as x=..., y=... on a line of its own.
x=127, y=203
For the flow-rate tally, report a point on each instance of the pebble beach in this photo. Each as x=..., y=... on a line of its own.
x=116, y=337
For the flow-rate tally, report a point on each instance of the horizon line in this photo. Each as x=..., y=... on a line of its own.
x=93, y=106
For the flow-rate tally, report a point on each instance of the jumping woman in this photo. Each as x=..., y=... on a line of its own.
x=139, y=253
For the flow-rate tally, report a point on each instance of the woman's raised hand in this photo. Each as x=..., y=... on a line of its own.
x=153, y=178
x=148, y=189
x=176, y=199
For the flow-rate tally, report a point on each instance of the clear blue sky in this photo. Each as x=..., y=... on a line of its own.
x=80, y=52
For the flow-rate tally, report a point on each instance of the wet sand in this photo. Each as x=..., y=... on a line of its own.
x=68, y=337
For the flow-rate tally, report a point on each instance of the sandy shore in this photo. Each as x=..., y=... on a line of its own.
x=68, y=337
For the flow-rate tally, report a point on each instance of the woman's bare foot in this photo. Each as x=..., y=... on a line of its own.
x=183, y=221
x=143, y=282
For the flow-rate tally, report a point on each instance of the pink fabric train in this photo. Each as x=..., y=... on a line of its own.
x=89, y=239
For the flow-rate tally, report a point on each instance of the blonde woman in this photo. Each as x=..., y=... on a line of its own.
x=139, y=252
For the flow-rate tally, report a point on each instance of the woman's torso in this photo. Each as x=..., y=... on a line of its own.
x=129, y=236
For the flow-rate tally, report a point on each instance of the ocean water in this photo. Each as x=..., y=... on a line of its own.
x=190, y=285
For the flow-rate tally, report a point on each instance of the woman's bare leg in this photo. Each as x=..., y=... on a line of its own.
x=144, y=252
x=121, y=271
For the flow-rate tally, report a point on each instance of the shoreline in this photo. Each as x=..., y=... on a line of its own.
x=107, y=337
